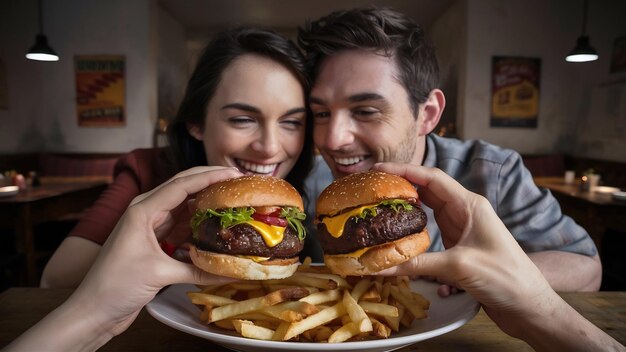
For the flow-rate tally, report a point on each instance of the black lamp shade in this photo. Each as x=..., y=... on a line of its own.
x=583, y=51
x=41, y=51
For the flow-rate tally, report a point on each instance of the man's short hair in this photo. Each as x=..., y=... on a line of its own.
x=383, y=31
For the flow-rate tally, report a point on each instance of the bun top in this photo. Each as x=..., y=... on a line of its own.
x=249, y=191
x=362, y=188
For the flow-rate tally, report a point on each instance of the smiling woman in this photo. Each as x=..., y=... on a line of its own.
x=244, y=107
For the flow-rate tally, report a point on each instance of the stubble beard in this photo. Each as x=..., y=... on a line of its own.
x=404, y=152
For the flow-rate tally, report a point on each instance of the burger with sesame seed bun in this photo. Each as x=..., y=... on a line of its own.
x=370, y=221
x=248, y=228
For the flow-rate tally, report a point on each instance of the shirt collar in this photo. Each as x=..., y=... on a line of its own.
x=431, y=152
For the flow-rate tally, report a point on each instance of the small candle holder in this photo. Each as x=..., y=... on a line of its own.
x=584, y=183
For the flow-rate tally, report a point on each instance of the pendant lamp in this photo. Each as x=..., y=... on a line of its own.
x=41, y=51
x=583, y=52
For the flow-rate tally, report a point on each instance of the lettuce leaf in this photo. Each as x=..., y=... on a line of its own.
x=295, y=217
x=234, y=216
x=394, y=204
x=228, y=217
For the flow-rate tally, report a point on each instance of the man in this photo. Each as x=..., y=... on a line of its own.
x=375, y=99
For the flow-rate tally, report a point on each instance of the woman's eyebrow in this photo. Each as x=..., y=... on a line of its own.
x=294, y=111
x=254, y=109
x=241, y=106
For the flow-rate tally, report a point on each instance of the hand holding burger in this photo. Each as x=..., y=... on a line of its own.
x=370, y=221
x=483, y=258
x=248, y=228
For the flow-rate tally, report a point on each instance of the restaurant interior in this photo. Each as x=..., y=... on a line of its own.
x=85, y=82
x=578, y=125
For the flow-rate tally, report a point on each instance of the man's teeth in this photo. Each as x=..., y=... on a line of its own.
x=349, y=161
x=258, y=168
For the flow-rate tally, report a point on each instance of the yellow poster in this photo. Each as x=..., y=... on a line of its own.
x=515, y=92
x=100, y=90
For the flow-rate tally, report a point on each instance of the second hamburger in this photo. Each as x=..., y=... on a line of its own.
x=368, y=222
x=248, y=228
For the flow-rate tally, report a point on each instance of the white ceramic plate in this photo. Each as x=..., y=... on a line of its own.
x=605, y=189
x=8, y=191
x=619, y=195
x=173, y=308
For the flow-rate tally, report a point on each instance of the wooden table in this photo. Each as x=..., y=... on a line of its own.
x=596, y=212
x=47, y=202
x=20, y=308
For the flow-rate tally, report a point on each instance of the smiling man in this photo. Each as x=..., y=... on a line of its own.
x=375, y=98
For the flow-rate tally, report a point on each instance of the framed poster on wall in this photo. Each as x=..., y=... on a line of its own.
x=100, y=90
x=515, y=91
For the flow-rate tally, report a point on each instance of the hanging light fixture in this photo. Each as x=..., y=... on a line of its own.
x=583, y=52
x=41, y=51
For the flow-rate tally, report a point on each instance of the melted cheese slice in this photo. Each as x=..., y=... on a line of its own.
x=272, y=235
x=356, y=254
x=254, y=258
x=335, y=224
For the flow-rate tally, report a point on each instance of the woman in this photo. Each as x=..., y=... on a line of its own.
x=244, y=107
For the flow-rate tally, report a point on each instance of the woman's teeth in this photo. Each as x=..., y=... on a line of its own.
x=257, y=168
x=349, y=161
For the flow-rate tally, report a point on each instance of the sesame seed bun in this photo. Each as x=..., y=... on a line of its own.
x=249, y=191
x=369, y=189
x=242, y=268
x=363, y=188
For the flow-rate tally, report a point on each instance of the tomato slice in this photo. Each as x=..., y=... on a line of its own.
x=270, y=219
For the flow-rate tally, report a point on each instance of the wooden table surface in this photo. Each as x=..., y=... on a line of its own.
x=558, y=185
x=20, y=308
x=595, y=211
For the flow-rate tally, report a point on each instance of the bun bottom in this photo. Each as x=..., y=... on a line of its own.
x=242, y=268
x=379, y=257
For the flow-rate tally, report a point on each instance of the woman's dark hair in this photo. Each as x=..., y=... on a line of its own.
x=383, y=31
x=225, y=47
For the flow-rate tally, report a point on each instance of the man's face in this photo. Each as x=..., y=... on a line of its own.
x=362, y=113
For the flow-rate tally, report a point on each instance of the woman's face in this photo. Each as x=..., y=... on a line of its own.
x=256, y=119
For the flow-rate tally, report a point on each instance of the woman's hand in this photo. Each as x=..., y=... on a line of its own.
x=132, y=268
x=129, y=271
x=176, y=229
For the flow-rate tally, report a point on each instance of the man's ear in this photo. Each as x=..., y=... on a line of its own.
x=195, y=131
x=431, y=111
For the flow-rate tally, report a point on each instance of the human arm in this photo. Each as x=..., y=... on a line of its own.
x=130, y=269
x=75, y=255
x=135, y=173
x=562, y=250
x=584, y=274
x=69, y=263
x=483, y=258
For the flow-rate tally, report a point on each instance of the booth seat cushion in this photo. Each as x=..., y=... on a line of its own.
x=545, y=165
x=70, y=165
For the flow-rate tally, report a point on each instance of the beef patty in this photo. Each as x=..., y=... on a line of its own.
x=388, y=225
x=243, y=239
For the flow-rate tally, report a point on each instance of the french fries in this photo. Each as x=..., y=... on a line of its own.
x=312, y=305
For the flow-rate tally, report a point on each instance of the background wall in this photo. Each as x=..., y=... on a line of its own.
x=173, y=64
x=449, y=35
x=582, y=106
x=41, y=113
x=579, y=113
